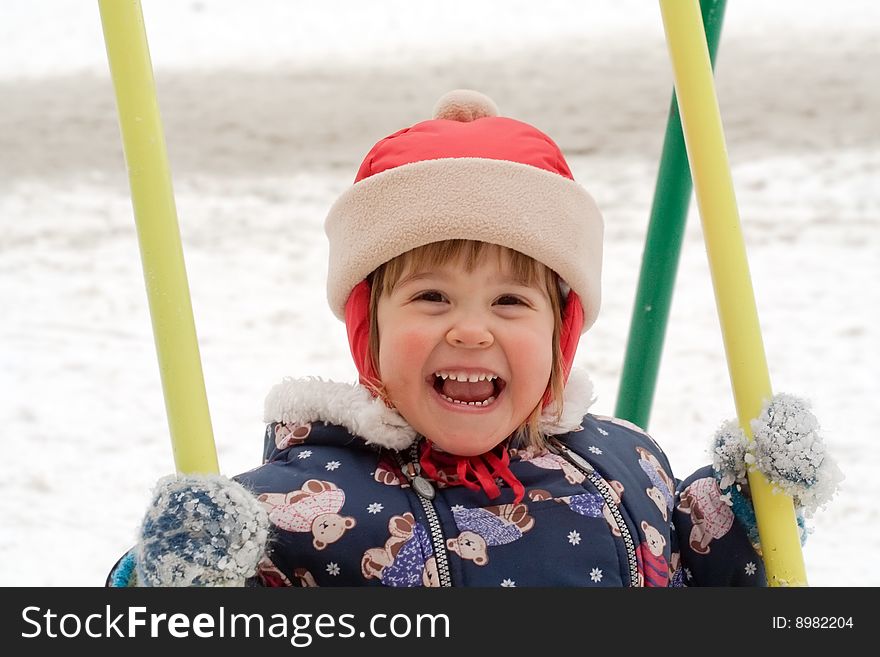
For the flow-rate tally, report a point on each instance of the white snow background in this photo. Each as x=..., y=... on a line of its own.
x=269, y=107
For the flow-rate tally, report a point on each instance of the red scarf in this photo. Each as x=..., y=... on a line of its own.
x=473, y=472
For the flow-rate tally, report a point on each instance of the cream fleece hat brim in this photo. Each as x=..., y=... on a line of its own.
x=497, y=180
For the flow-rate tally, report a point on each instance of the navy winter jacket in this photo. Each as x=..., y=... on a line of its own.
x=601, y=507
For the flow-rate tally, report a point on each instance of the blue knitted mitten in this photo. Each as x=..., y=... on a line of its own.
x=201, y=530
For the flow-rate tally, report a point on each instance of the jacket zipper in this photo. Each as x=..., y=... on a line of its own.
x=426, y=492
x=605, y=491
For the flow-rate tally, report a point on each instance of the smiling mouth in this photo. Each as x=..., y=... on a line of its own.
x=476, y=391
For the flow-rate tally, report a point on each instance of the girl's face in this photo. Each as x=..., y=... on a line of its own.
x=465, y=357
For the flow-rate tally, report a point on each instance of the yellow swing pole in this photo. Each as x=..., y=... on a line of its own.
x=734, y=296
x=177, y=348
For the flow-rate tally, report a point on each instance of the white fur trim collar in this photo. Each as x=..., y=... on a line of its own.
x=353, y=407
x=577, y=397
x=346, y=404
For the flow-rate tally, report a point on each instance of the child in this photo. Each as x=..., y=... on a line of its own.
x=465, y=262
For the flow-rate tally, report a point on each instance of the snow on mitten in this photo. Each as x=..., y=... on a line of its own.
x=729, y=455
x=787, y=449
x=201, y=530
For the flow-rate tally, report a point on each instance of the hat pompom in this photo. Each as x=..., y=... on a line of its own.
x=464, y=105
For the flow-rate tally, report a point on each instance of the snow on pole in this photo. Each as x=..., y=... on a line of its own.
x=180, y=367
x=734, y=296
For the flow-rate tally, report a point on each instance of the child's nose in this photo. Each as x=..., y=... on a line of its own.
x=470, y=334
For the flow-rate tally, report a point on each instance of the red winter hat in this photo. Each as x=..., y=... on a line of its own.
x=466, y=174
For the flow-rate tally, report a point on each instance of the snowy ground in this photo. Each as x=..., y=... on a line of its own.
x=268, y=108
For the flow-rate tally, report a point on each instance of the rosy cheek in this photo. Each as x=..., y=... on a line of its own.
x=533, y=350
x=416, y=341
x=403, y=354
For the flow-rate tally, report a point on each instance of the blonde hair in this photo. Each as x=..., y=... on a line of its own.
x=523, y=268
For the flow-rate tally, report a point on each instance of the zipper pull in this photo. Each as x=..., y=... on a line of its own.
x=423, y=487
x=575, y=458
x=580, y=461
x=413, y=471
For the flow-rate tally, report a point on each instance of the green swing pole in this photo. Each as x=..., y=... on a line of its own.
x=660, y=258
x=143, y=141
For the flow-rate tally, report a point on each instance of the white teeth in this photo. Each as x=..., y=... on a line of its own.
x=464, y=376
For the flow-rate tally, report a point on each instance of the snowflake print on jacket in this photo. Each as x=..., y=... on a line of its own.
x=590, y=505
x=313, y=508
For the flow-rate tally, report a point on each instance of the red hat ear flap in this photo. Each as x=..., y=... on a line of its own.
x=569, y=336
x=357, y=324
x=570, y=333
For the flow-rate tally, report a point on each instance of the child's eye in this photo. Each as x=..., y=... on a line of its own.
x=430, y=295
x=509, y=300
